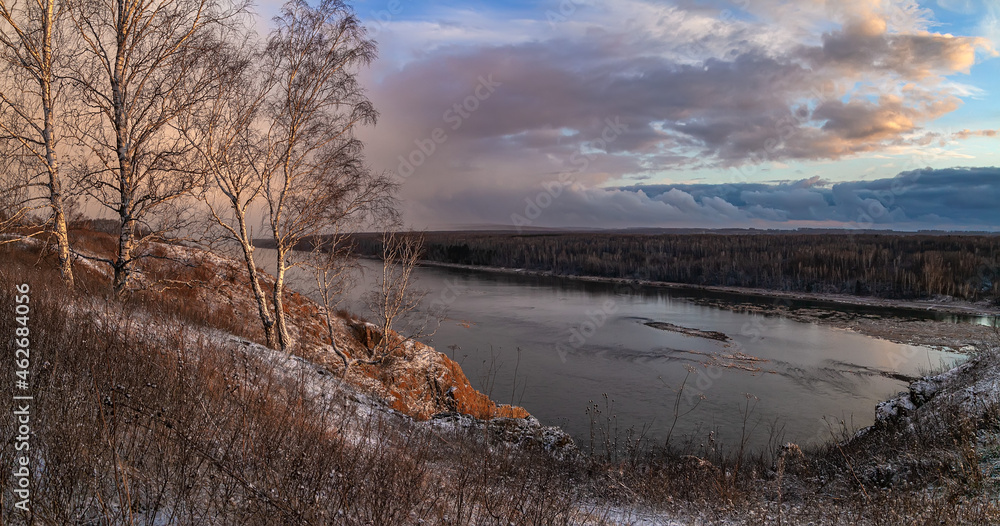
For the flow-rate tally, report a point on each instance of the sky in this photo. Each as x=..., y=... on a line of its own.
x=688, y=113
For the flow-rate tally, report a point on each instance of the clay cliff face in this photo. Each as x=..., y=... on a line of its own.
x=415, y=379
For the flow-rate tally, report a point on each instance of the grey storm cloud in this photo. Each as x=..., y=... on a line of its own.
x=920, y=199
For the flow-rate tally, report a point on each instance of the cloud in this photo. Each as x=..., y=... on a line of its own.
x=693, y=85
x=925, y=198
x=956, y=198
x=966, y=134
x=729, y=103
x=866, y=45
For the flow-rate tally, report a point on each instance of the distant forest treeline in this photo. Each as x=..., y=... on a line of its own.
x=882, y=265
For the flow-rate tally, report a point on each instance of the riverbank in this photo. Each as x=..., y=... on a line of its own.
x=909, y=322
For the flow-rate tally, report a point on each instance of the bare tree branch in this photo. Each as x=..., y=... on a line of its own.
x=312, y=171
x=332, y=262
x=30, y=107
x=228, y=150
x=140, y=70
x=394, y=299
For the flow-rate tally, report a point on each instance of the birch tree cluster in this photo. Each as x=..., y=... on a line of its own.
x=174, y=118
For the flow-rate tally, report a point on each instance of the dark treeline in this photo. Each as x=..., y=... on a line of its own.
x=882, y=265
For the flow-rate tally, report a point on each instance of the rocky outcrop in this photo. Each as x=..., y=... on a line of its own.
x=525, y=432
x=419, y=381
x=939, y=427
x=966, y=392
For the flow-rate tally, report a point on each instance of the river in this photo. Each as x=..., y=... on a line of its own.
x=563, y=348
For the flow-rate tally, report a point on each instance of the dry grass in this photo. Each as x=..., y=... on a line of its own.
x=142, y=419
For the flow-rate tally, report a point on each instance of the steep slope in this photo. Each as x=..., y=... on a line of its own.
x=416, y=380
x=159, y=408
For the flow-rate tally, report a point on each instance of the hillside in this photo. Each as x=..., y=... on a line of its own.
x=171, y=400
x=164, y=408
x=210, y=290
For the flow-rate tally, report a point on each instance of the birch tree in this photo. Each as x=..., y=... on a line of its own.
x=29, y=104
x=331, y=262
x=314, y=175
x=394, y=299
x=229, y=149
x=137, y=72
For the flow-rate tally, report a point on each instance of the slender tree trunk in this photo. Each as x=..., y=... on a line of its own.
x=62, y=240
x=123, y=262
x=333, y=343
x=279, y=306
x=59, y=227
x=126, y=236
x=258, y=293
x=48, y=137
